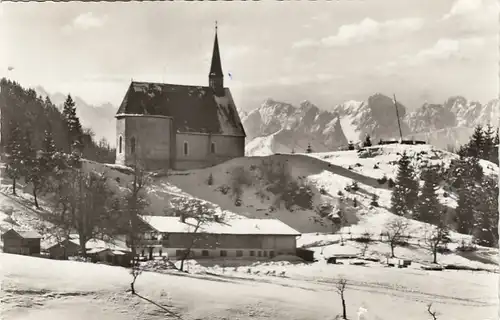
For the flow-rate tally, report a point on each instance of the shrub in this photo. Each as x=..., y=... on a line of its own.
x=350, y=168
x=354, y=186
x=391, y=183
x=340, y=193
x=322, y=191
x=324, y=209
x=375, y=166
x=298, y=194
x=374, y=201
x=224, y=189
x=446, y=194
x=210, y=180
x=358, y=165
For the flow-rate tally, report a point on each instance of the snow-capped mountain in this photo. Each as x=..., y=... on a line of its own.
x=282, y=127
x=277, y=127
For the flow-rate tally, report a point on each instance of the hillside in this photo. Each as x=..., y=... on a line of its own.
x=448, y=124
x=314, y=186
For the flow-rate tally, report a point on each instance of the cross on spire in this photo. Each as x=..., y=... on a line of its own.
x=215, y=25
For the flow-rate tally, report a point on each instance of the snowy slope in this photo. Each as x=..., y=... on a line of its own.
x=44, y=289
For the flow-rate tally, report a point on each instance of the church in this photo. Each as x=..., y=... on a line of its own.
x=180, y=127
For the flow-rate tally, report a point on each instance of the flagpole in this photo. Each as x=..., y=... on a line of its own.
x=397, y=115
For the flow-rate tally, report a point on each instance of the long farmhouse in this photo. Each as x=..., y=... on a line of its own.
x=171, y=236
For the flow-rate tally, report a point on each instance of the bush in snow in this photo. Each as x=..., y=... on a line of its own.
x=374, y=200
x=340, y=193
x=382, y=180
x=390, y=183
x=322, y=190
x=210, y=180
x=375, y=166
x=224, y=189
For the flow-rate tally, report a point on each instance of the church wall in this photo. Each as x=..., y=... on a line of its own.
x=197, y=156
x=200, y=153
x=153, y=139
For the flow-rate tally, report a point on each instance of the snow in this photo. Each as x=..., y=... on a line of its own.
x=43, y=289
x=229, y=226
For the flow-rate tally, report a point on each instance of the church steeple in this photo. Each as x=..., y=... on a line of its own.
x=216, y=76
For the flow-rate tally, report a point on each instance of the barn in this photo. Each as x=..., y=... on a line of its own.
x=21, y=242
x=231, y=238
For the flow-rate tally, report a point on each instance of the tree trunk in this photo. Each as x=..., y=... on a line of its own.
x=14, y=186
x=434, y=253
x=392, y=251
x=35, y=196
x=83, y=243
x=344, y=313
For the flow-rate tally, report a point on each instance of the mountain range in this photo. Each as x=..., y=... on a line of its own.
x=280, y=127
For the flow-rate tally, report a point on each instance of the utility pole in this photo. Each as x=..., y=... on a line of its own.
x=397, y=115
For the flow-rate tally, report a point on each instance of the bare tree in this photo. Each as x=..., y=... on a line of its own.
x=340, y=287
x=81, y=204
x=365, y=239
x=135, y=272
x=432, y=313
x=434, y=237
x=395, y=230
x=196, y=214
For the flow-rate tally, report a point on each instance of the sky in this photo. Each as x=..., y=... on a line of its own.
x=326, y=52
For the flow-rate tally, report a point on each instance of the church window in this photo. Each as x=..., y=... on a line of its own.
x=212, y=147
x=120, y=144
x=185, y=148
x=132, y=145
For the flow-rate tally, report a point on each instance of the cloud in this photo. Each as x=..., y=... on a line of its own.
x=366, y=30
x=85, y=21
x=474, y=15
x=444, y=50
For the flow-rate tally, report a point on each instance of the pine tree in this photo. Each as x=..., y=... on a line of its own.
x=405, y=192
x=75, y=132
x=488, y=143
x=475, y=146
x=428, y=203
x=15, y=163
x=486, y=213
x=33, y=169
x=368, y=142
x=465, y=207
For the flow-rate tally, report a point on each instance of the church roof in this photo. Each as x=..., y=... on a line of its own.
x=193, y=108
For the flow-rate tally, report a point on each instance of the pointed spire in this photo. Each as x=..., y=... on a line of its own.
x=216, y=66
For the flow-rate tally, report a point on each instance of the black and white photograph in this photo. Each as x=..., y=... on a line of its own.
x=248, y=160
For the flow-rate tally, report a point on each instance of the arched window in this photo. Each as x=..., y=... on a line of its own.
x=185, y=148
x=132, y=145
x=212, y=147
x=120, y=142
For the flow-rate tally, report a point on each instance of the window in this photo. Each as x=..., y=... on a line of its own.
x=223, y=253
x=260, y=253
x=212, y=147
x=204, y=253
x=120, y=143
x=265, y=254
x=185, y=148
x=239, y=253
x=252, y=253
x=271, y=254
x=178, y=253
x=132, y=145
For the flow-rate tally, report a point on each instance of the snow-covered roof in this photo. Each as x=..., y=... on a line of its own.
x=169, y=224
x=98, y=245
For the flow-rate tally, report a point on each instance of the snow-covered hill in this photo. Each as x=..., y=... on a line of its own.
x=256, y=187
x=442, y=125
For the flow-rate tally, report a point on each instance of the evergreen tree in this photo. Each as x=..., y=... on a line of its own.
x=368, y=142
x=486, y=213
x=489, y=143
x=428, y=203
x=475, y=147
x=15, y=161
x=465, y=207
x=405, y=192
x=75, y=132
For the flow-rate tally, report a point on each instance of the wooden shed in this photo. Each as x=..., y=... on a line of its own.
x=21, y=242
